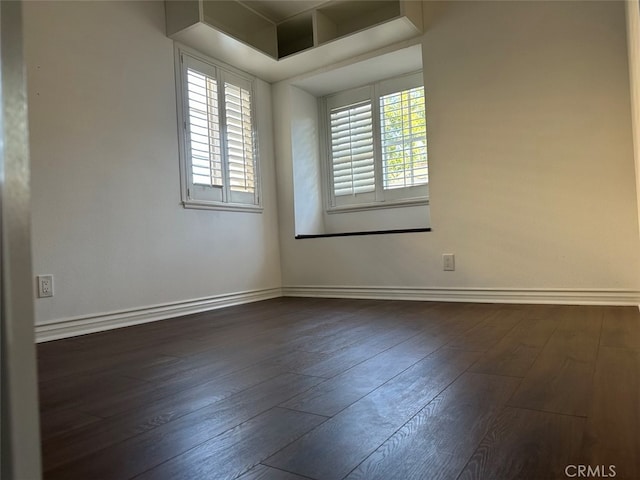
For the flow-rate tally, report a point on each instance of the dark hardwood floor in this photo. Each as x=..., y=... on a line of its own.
x=296, y=388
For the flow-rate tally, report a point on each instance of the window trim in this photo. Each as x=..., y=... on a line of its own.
x=380, y=198
x=222, y=70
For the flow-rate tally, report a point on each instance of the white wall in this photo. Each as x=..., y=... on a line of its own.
x=107, y=221
x=531, y=161
x=396, y=218
x=530, y=144
x=307, y=173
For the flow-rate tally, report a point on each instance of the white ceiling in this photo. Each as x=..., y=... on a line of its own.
x=279, y=10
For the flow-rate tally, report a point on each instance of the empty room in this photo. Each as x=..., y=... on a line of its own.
x=337, y=239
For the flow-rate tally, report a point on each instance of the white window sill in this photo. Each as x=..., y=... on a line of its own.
x=360, y=207
x=230, y=207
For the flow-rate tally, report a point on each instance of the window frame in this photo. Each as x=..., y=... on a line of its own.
x=380, y=198
x=214, y=197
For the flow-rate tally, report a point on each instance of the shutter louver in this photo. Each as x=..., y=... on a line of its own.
x=352, y=149
x=204, y=129
x=404, y=139
x=240, y=148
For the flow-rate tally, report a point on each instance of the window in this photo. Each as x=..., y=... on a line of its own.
x=217, y=142
x=377, y=144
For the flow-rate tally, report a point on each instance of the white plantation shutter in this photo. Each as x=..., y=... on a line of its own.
x=352, y=156
x=218, y=150
x=204, y=129
x=403, y=138
x=239, y=129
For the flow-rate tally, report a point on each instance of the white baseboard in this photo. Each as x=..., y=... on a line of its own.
x=474, y=295
x=71, y=327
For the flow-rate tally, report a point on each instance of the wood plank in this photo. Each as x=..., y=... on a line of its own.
x=86, y=362
x=517, y=351
x=151, y=448
x=621, y=327
x=334, y=448
x=146, y=413
x=63, y=420
x=262, y=472
x=353, y=329
x=216, y=363
x=560, y=379
x=527, y=444
x=488, y=332
x=239, y=449
x=454, y=319
x=343, y=359
x=613, y=425
x=266, y=348
x=427, y=330
x=332, y=396
x=73, y=391
x=437, y=442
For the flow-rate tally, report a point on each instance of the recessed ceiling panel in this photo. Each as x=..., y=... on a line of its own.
x=279, y=10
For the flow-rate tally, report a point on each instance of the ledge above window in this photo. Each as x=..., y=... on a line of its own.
x=275, y=48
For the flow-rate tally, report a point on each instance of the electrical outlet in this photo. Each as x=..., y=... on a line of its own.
x=45, y=286
x=448, y=262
